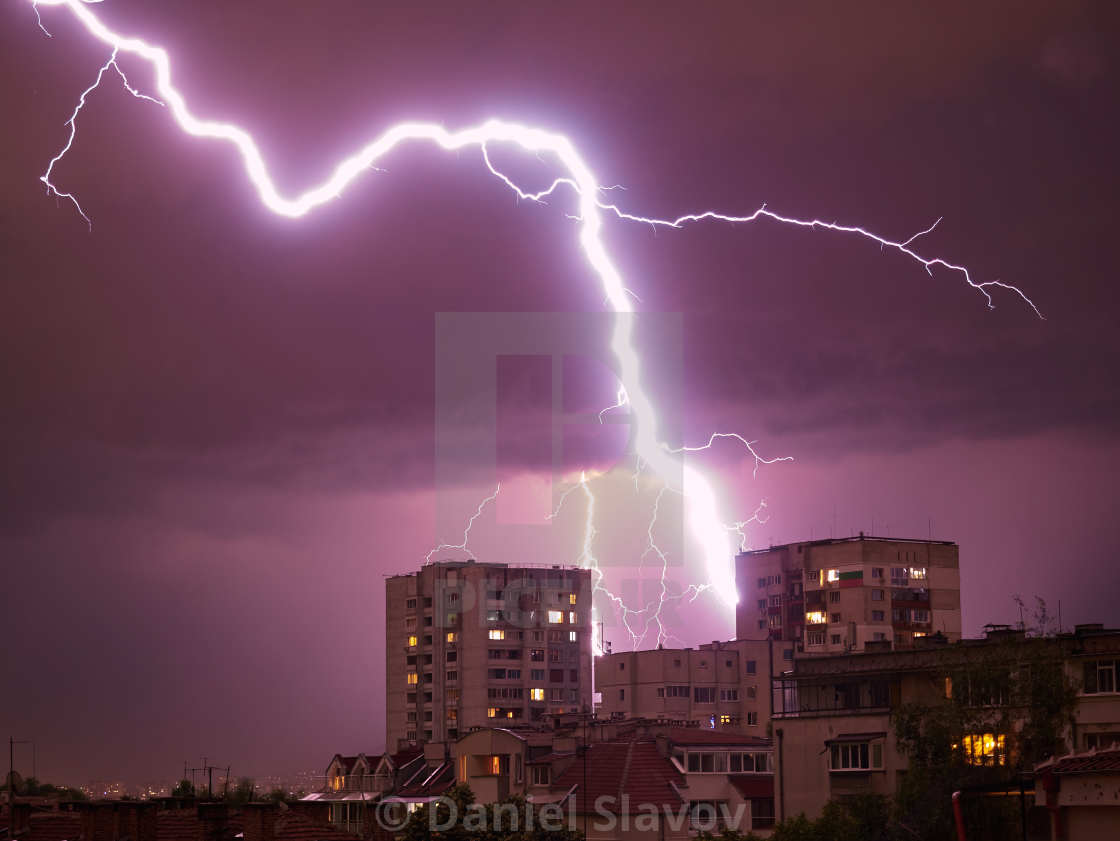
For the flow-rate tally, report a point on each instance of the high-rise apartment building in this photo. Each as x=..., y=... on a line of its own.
x=832, y=596
x=478, y=644
x=719, y=685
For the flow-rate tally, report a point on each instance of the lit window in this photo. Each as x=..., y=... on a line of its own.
x=536, y=694
x=573, y=618
x=555, y=617
x=571, y=598
x=724, y=719
x=492, y=712
x=451, y=636
x=918, y=572
x=412, y=641
x=497, y=634
x=413, y=678
x=509, y=714
x=984, y=749
x=573, y=636
x=815, y=617
x=833, y=575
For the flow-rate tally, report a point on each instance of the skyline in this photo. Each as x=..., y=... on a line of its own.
x=134, y=437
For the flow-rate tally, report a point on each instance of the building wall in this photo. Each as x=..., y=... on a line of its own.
x=455, y=686
x=851, y=587
x=803, y=782
x=644, y=684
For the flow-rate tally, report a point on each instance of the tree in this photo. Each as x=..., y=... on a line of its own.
x=277, y=795
x=185, y=788
x=508, y=820
x=1006, y=707
x=243, y=792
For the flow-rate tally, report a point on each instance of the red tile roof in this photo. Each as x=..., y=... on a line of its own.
x=1093, y=761
x=635, y=769
x=177, y=825
x=292, y=827
x=53, y=826
x=403, y=757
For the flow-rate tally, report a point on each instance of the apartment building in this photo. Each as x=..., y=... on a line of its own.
x=721, y=685
x=834, y=596
x=834, y=716
x=473, y=644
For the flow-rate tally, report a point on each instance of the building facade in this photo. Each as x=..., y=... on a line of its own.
x=834, y=716
x=472, y=645
x=834, y=596
x=722, y=685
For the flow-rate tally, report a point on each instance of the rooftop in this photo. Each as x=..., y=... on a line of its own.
x=1090, y=762
x=861, y=537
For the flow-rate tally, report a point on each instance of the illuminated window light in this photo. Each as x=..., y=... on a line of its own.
x=412, y=641
x=555, y=617
x=571, y=598
x=497, y=634
x=816, y=617
x=413, y=678
x=451, y=636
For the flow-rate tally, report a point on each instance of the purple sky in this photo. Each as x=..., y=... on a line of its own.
x=218, y=424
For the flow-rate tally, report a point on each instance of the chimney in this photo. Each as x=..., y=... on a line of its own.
x=212, y=821
x=260, y=821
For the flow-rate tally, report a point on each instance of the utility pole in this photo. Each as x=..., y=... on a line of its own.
x=12, y=742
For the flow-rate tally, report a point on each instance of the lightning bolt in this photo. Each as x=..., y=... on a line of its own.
x=712, y=535
x=462, y=547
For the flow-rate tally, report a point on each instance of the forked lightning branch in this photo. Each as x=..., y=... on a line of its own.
x=707, y=523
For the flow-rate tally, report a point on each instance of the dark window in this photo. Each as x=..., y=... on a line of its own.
x=751, y=667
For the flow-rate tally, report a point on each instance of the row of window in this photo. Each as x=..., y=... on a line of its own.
x=856, y=756
x=723, y=762
x=493, y=595
x=699, y=694
x=537, y=636
x=554, y=675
